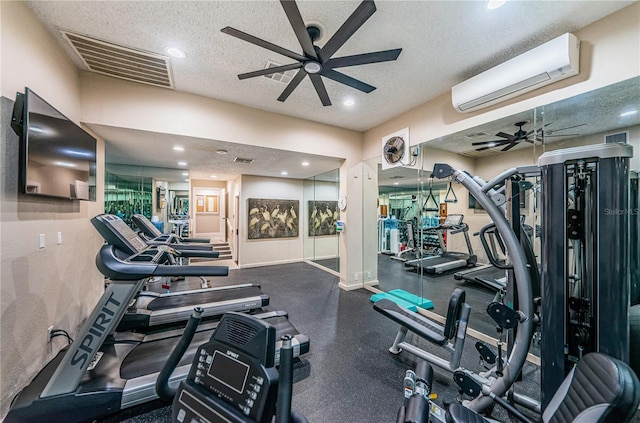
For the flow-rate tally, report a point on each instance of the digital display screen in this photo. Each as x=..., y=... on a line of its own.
x=58, y=158
x=229, y=371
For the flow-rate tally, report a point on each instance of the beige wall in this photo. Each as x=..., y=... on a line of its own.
x=58, y=285
x=262, y=252
x=609, y=53
x=108, y=101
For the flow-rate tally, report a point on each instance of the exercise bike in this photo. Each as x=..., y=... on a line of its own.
x=233, y=377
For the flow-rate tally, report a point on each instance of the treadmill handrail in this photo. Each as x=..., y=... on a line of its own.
x=491, y=228
x=113, y=267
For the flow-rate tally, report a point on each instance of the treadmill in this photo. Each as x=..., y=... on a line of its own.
x=151, y=308
x=488, y=275
x=103, y=372
x=151, y=233
x=447, y=260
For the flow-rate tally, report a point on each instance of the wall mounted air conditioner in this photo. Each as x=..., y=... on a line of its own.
x=552, y=61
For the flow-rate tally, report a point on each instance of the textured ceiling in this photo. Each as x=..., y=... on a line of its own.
x=443, y=43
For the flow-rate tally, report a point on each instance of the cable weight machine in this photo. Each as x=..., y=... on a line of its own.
x=585, y=268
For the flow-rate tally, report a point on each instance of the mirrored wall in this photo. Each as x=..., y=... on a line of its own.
x=321, y=214
x=409, y=198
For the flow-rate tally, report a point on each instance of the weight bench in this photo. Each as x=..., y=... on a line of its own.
x=455, y=327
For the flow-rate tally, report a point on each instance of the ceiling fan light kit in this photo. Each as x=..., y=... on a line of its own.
x=318, y=61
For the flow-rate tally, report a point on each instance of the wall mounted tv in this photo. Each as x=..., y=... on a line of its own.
x=57, y=157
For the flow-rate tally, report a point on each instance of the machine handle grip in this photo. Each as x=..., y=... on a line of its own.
x=483, y=238
x=163, y=389
x=168, y=270
x=285, y=384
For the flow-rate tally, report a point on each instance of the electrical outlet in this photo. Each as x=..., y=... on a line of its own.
x=355, y=277
x=49, y=333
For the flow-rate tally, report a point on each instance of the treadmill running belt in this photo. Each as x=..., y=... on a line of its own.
x=204, y=297
x=149, y=357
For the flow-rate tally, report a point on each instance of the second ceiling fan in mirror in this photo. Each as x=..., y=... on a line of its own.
x=508, y=141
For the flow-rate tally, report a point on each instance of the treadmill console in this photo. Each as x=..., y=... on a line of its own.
x=119, y=234
x=233, y=377
x=453, y=220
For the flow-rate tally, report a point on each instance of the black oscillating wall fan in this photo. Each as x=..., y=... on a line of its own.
x=317, y=61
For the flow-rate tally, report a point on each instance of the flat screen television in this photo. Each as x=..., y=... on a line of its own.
x=57, y=157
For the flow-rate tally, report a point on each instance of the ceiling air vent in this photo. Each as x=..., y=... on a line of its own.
x=244, y=161
x=121, y=62
x=284, y=77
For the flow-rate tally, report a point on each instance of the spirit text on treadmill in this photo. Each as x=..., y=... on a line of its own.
x=98, y=328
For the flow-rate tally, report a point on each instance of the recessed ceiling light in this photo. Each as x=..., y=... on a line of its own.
x=629, y=113
x=175, y=52
x=349, y=102
x=185, y=173
x=178, y=148
x=284, y=172
x=182, y=163
x=494, y=4
x=396, y=183
x=222, y=152
x=305, y=163
x=214, y=176
x=186, y=180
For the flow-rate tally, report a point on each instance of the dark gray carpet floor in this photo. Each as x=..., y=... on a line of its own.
x=348, y=375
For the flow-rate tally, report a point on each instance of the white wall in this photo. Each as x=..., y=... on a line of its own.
x=58, y=285
x=259, y=252
x=318, y=247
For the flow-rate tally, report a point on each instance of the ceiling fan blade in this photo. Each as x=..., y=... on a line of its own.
x=262, y=43
x=363, y=59
x=348, y=28
x=320, y=88
x=295, y=19
x=510, y=146
x=505, y=135
x=269, y=71
x=565, y=128
x=292, y=85
x=347, y=80
x=496, y=142
x=563, y=135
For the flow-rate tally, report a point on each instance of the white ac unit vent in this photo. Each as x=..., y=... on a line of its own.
x=550, y=62
x=620, y=138
x=395, y=149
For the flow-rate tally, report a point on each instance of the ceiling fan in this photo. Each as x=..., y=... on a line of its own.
x=318, y=61
x=510, y=141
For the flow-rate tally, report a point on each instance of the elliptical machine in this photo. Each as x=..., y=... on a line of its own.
x=233, y=377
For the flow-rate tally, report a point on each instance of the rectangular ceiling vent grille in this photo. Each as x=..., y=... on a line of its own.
x=475, y=153
x=244, y=161
x=284, y=77
x=121, y=62
x=620, y=137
